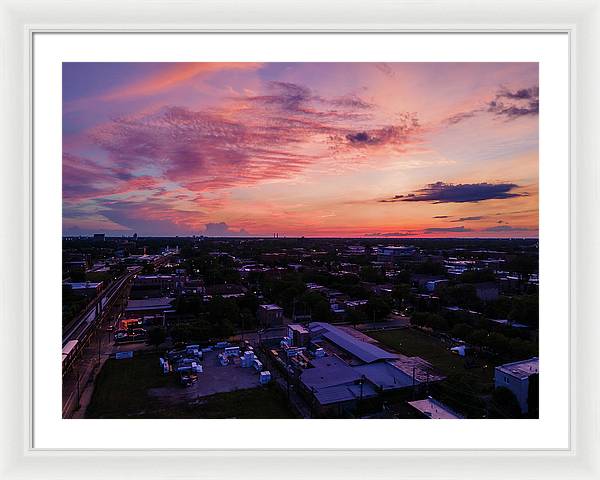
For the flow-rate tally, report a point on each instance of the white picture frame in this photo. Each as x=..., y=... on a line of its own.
x=20, y=21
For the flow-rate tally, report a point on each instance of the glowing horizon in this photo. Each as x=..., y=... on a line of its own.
x=367, y=150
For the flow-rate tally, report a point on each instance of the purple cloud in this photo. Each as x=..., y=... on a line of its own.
x=447, y=230
x=468, y=219
x=441, y=192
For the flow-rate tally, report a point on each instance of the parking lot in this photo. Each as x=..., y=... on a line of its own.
x=215, y=378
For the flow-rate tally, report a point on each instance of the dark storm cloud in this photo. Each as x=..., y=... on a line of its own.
x=441, y=192
x=468, y=219
x=408, y=233
x=522, y=94
x=447, y=230
x=507, y=104
x=514, y=104
x=507, y=228
x=221, y=229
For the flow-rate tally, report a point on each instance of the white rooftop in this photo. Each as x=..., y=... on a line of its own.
x=522, y=369
x=271, y=306
x=434, y=409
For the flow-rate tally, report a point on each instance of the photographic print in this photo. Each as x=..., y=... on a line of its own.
x=300, y=240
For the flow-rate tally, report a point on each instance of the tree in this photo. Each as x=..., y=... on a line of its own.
x=462, y=295
x=373, y=275
x=317, y=305
x=533, y=396
x=401, y=293
x=148, y=269
x=78, y=276
x=461, y=330
x=356, y=316
x=525, y=310
x=524, y=265
x=477, y=276
x=377, y=308
x=497, y=342
x=505, y=404
x=430, y=267
x=156, y=336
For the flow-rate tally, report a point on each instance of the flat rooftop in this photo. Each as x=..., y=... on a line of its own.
x=328, y=372
x=270, y=306
x=522, y=369
x=83, y=285
x=434, y=409
x=332, y=381
x=149, y=303
x=298, y=328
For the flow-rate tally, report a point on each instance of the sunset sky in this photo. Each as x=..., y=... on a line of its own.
x=302, y=149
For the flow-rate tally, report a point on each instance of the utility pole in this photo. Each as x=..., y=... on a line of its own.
x=78, y=391
x=287, y=373
x=243, y=316
x=362, y=381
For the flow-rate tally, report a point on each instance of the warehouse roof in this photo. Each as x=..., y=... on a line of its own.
x=386, y=375
x=327, y=372
x=367, y=352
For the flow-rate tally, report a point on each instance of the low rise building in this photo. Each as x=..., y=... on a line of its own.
x=148, y=306
x=515, y=377
x=434, y=285
x=159, y=283
x=395, y=254
x=87, y=289
x=298, y=334
x=355, y=368
x=270, y=315
x=432, y=408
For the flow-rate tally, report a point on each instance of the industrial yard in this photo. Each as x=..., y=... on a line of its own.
x=138, y=388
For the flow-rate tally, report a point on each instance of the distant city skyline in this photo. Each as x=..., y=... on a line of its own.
x=367, y=150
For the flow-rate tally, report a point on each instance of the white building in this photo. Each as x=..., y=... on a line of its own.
x=515, y=377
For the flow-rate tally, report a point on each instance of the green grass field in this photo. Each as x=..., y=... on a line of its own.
x=121, y=386
x=121, y=392
x=261, y=402
x=465, y=389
